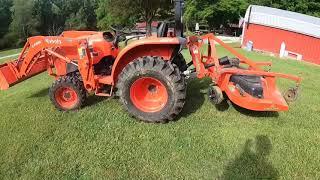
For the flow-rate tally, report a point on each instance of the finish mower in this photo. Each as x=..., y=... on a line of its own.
x=148, y=75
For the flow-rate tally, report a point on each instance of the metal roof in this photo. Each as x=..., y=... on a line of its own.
x=282, y=19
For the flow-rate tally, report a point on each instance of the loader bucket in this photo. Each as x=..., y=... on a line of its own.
x=7, y=77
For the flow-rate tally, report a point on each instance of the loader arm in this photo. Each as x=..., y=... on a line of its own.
x=40, y=54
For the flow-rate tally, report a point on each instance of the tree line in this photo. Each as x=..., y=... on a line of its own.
x=20, y=19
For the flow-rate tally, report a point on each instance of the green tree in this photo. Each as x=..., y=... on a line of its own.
x=45, y=16
x=145, y=10
x=82, y=15
x=222, y=12
x=6, y=40
x=310, y=7
x=24, y=23
x=20, y=19
x=54, y=16
x=214, y=12
x=5, y=16
x=106, y=19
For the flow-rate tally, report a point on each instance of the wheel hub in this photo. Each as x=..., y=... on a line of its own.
x=215, y=95
x=66, y=97
x=152, y=88
x=148, y=94
x=291, y=95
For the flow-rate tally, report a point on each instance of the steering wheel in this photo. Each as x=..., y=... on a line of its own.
x=120, y=35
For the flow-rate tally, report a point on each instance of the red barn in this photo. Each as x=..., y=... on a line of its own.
x=143, y=26
x=284, y=33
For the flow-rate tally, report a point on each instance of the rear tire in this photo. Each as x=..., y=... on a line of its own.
x=152, y=90
x=68, y=93
x=180, y=62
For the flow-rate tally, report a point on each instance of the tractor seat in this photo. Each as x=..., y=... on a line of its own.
x=249, y=84
x=163, y=29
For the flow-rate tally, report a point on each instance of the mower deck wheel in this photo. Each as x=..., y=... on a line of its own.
x=215, y=95
x=291, y=95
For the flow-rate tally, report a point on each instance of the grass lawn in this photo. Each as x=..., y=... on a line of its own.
x=8, y=53
x=103, y=141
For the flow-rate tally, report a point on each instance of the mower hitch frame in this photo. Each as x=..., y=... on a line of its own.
x=209, y=66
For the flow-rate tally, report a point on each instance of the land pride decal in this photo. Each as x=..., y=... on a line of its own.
x=196, y=52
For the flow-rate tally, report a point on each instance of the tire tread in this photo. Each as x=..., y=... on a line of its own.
x=167, y=69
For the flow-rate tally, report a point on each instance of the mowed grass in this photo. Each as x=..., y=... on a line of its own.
x=102, y=141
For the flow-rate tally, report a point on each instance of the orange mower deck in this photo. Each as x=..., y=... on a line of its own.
x=209, y=66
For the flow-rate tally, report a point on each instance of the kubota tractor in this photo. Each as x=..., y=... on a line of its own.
x=148, y=75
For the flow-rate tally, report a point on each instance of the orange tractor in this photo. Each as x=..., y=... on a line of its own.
x=148, y=75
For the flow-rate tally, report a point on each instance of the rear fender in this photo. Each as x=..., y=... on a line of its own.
x=161, y=47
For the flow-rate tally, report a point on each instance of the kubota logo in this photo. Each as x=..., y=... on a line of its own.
x=53, y=41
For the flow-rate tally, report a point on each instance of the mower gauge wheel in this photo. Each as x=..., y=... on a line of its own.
x=215, y=95
x=291, y=95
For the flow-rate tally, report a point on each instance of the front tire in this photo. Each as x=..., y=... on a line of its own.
x=67, y=93
x=152, y=89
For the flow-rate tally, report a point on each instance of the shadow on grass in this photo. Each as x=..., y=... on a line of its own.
x=225, y=105
x=197, y=90
x=255, y=113
x=41, y=93
x=253, y=162
x=93, y=100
